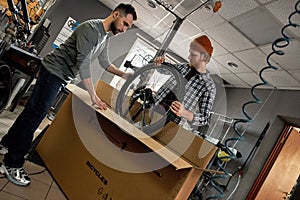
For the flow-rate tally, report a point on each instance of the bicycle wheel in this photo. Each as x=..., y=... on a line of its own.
x=144, y=98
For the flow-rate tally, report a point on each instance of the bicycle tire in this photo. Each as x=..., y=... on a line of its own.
x=125, y=111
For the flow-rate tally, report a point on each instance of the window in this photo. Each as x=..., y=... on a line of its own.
x=140, y=54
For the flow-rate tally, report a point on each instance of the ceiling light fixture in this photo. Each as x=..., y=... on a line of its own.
x=163, y=3
x=151, y=3
x=232, y=64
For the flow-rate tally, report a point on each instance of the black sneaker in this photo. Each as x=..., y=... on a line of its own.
x=3, y=149
x=17, y=176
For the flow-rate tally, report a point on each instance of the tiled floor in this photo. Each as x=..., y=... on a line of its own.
x=42, y=186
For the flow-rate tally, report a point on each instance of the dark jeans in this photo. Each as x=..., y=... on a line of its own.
x=20, y=135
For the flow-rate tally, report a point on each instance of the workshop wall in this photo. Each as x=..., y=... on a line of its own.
x=281, y=107
x=80, y=11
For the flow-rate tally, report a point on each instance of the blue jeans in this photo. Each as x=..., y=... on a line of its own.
x=20, y=135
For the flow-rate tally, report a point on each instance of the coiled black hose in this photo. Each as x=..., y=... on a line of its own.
x=277, y=45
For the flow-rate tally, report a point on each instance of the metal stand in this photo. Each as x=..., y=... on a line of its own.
x=26, y=62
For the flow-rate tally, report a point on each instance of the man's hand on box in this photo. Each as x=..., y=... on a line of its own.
x=98, y=103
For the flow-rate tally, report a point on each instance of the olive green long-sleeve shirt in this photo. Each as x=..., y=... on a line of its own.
x=88, y=41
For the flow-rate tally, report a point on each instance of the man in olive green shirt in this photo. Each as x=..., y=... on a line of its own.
x=89, y=40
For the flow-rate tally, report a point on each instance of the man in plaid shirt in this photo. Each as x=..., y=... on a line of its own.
x=200, y=90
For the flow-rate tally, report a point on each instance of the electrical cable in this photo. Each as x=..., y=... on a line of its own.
x=236, y=186
x=241, y=168
x=279, y=43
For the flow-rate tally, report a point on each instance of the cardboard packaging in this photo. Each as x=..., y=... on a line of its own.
x=96, y=154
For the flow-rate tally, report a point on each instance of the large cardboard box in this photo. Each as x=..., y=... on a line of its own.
x=96, y=154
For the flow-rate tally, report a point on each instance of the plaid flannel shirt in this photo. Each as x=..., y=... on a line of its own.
x=200, y=92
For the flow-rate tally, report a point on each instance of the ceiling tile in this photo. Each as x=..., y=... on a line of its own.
x=230, y=38
x=291, y=58
x=147, y=19
x=183, y=40
x=141, y=25
x=234, y=80
x=280, y=78
x=180, y=47
x=216, y=68
x=123, y=1
x=158, y=33
x=252, y=79
x=228, y=12
x=185, y=7
x=179, y=50
x=168, y=20
x=164, y=16
x=187, y=29
x=230, y=58
x=264, y=1
x=218, y=49
x=281, y=9
x=295, y=74
x=204, y=19
x=254, y=58
x=258, y=20
x=159, y=11
x=162, y=34
x=151, y=31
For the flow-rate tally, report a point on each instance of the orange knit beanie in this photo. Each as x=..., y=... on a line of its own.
x=202, y=43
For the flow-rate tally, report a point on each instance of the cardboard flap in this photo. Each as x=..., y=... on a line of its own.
x=192, y=148
x=173, y=158
x=107, y=93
